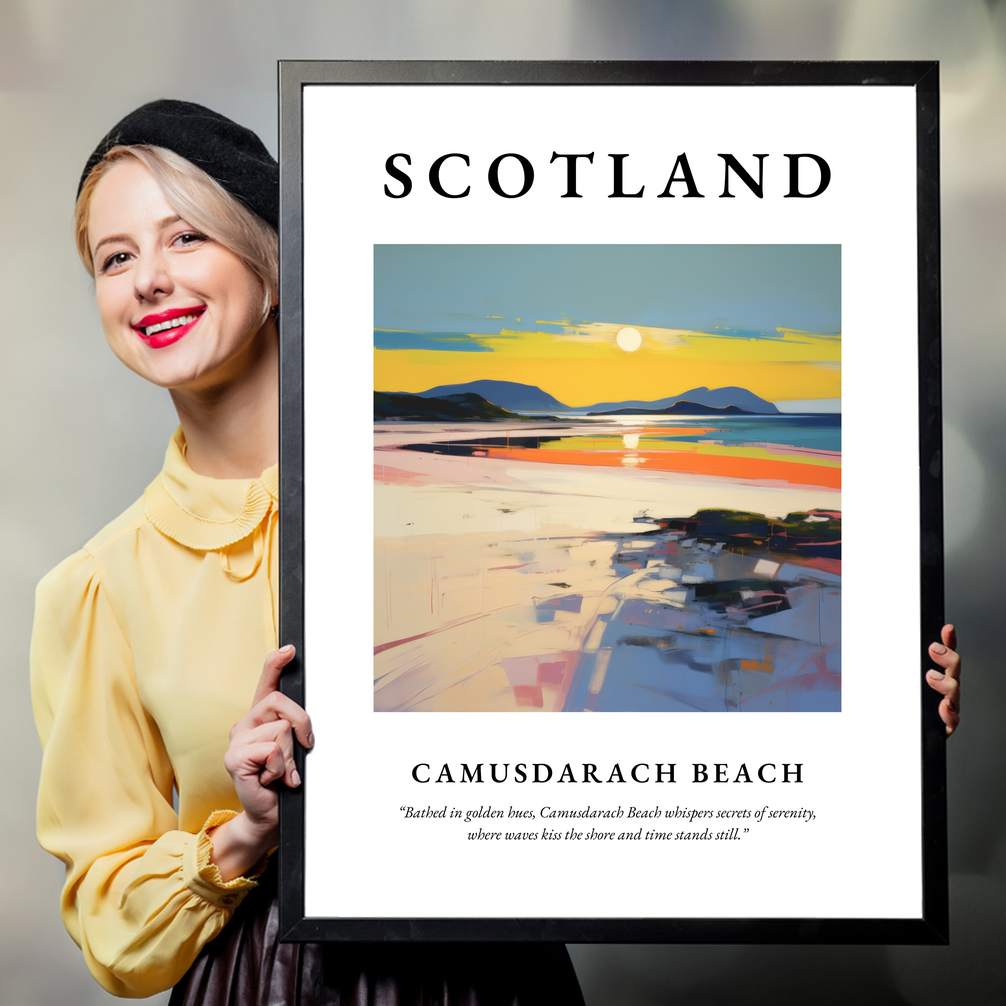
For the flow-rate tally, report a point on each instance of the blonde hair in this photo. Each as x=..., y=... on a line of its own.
x=199, y=200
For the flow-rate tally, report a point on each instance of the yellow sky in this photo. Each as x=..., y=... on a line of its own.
x=583, y=365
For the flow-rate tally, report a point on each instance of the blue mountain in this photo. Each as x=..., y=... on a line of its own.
x=528, y=398
x=717, y=398
x=506, y=394
x=678, y=409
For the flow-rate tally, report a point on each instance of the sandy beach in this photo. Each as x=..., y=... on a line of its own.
x=505, y=584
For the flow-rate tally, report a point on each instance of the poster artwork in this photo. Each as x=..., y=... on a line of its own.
x=607, y=478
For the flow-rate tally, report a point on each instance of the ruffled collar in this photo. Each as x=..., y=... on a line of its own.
x=203, y=513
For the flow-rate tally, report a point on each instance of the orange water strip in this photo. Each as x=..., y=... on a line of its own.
x=696, y=464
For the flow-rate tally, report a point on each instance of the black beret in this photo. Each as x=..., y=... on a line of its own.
x=231, y=154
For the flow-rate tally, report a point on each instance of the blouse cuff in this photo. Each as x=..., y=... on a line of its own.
x=202, y=876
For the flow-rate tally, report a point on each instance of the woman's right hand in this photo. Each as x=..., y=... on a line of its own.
x=260, y=753
x=948, y=681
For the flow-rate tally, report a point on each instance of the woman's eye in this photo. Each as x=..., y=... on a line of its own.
x=190, y=238
x=114, y=261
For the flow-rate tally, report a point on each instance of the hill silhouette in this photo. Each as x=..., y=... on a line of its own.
x=529, y=398
x=447, y=408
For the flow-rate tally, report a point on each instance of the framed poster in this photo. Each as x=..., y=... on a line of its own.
x=586, y=369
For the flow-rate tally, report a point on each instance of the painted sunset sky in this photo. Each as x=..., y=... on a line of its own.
x=762, y=317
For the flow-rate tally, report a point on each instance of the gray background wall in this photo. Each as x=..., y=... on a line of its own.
x=82, y=436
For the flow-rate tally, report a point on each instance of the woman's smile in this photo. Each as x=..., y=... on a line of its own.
x=166, y=327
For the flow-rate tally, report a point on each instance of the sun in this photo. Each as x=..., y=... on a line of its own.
x=628, y=339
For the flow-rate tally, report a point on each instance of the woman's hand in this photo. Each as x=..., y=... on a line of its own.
x=948, y=681
x=260, y=753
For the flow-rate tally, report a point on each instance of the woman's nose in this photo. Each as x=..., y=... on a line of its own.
x=152, y=277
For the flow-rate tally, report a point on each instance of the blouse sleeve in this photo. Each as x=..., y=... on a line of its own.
x=141, y=898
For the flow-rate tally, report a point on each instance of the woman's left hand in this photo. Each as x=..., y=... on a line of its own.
x=948, y=681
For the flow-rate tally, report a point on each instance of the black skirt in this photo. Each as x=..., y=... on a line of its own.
x=246, y=965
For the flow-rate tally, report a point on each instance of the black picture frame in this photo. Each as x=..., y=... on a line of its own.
x=931, y=927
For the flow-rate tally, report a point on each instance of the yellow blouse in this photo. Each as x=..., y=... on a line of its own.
x=147, y=647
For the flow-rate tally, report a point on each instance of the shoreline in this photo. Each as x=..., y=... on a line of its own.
x=499, y=616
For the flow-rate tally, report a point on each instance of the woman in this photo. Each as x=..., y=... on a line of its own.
x=148, y=643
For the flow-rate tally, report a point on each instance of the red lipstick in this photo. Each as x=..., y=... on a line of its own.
x=166, y=327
